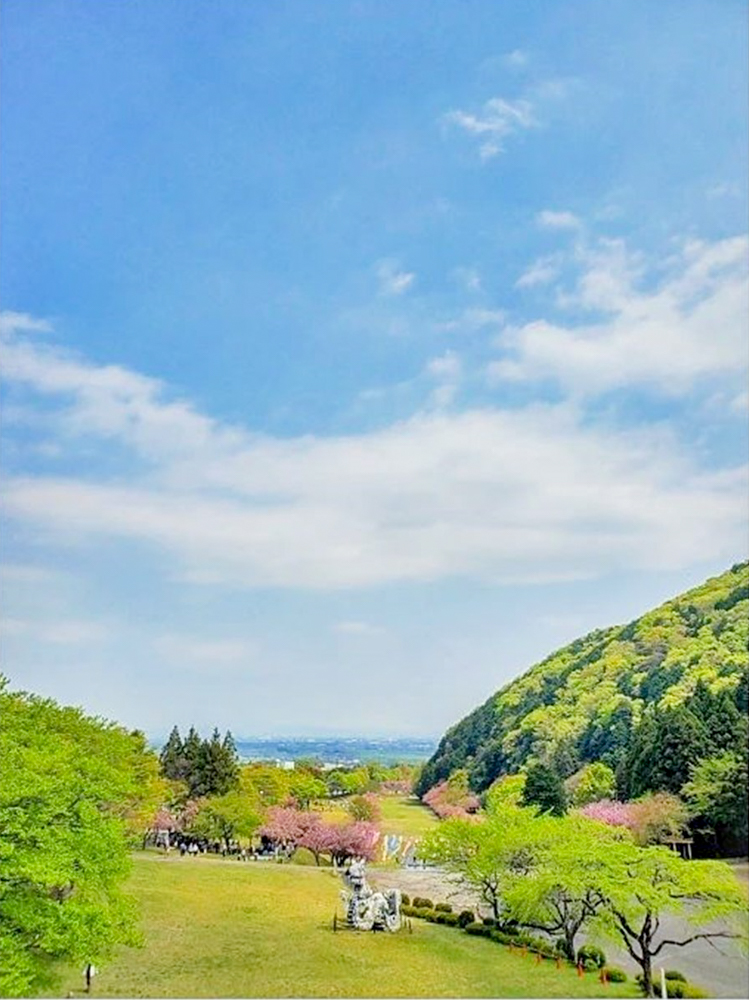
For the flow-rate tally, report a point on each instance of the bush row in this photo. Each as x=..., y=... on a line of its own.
x=589, y=956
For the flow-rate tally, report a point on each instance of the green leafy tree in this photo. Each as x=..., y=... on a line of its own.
x=544, y=789
x=640, y=886
x=227, y=817
x=364, y=808
x=485, y=856
x=304, y=788
x=560, y=893
x=68, y=782
x=591, y=784
x=717, y=792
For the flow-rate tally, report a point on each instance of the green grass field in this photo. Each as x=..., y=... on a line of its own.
x=226, y=929
x=405, y=816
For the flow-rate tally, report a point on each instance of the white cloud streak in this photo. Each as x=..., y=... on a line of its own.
x=393, y=280
x=497, y=120
x=692, y=325
x=530, y=494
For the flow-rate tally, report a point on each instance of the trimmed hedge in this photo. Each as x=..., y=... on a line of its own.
x=477, y=928
x=444, y=907
x=422, y=903
x=675, y=974
x=466, y=917
x=405, y=898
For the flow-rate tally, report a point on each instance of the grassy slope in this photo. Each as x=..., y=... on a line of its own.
x=223, y=929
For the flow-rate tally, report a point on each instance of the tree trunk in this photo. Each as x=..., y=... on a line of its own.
x=569, y=941
x=647, y=974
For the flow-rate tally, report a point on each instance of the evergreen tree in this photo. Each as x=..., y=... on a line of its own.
x=665, y=748
x=544, y=789
x=172, y=758
x=192, y=751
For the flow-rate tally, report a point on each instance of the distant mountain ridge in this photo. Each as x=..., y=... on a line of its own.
x=584, y=702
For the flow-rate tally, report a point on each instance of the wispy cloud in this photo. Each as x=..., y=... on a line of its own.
x=198, y=650
x=497, y=120
x=557, y=220
x=392, y=278
x=356, y=628
x=540, y=272
x=524, y=494
x=690, y=326
x=66, y=632
x=517, y=59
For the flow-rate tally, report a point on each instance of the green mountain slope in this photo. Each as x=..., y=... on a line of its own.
x=589, y=701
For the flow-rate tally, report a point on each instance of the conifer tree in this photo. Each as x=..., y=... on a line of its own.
x=544, y=789
x=173, y=764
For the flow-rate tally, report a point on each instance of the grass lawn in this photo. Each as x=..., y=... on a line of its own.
x=226, y=929
x=405, y=816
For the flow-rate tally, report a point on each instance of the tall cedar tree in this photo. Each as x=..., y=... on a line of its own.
x=172, y=757
x=544, y=789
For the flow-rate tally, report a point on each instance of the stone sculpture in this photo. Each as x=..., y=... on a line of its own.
x=367, y=910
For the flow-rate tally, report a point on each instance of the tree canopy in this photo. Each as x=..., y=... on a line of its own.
x=71, y=784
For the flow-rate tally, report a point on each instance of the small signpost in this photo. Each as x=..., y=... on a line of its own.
x=88, y=974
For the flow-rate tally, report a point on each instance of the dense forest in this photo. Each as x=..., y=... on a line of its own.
x=661, y=701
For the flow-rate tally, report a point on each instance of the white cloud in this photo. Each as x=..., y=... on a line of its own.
x=15, y=322
x=540, y=272
x=67, y=632
x=473, y=320
x=517, y=59
x=198, y=650
x=689, y=326
x=356, y=628
x=557, y=220
x=393, y=280
x=518, y=495
x=447, y=366
x=497, y=120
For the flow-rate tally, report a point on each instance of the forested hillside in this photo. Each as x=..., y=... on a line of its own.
x=651, y=699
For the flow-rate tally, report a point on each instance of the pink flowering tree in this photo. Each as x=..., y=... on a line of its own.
x=283, y=825
x=319, y=838
x=611, y=813
x=354, y=840
x=448, y=800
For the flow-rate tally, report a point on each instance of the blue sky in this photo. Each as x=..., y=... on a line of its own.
x=359, y=354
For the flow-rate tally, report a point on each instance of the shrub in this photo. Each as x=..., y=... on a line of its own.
x=693, y=992
x=615, y=974
x=427, y=914
x=466, y=917
x=675, y=974
x=591, y=957
x=477, y=928
x=675, y=988
x=408, y=911
x=488, y=921
x=451, y=919
x=445, y=907
x=405, y=898
x=422, y=903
